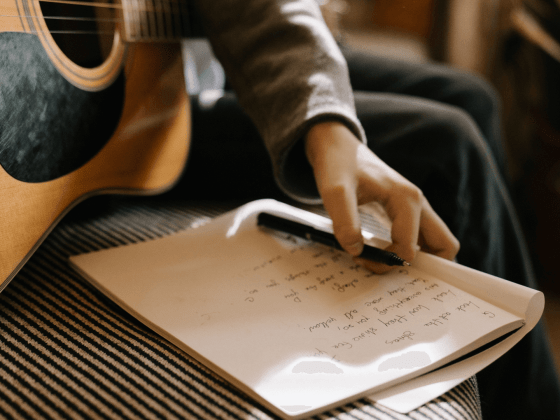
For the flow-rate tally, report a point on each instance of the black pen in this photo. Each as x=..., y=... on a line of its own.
x=310, y=233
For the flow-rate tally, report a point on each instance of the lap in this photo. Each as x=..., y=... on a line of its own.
x=435, y=82
x=441, y=148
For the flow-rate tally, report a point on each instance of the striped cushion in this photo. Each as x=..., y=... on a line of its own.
x=68, y=352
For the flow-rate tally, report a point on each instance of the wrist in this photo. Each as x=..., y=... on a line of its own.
x=324, y=136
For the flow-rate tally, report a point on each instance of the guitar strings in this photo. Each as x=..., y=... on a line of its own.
x=73, y=32
x=87, y=19
x=160, y=3
x=84, y=3
x=160, y=7
x=96, y=33
x=151, y=9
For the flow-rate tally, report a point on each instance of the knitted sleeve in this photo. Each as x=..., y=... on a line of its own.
x=288, y=74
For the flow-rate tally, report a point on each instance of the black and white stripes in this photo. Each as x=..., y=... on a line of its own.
x=67, y=352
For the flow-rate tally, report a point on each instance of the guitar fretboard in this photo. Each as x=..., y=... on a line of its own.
x=155, y=20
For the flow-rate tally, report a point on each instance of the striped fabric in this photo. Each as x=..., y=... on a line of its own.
x=67, y=352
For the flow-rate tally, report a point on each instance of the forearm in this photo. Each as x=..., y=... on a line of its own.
x=287, y=71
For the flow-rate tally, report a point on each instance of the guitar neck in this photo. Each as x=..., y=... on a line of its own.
x=155, y=20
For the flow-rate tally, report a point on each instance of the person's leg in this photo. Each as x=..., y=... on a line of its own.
x=441, y=149
x=468, y=192
x=373, y=73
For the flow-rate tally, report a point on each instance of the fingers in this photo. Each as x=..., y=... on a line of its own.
x=348, y=173
x=435, y=236
x=405, y=210
x=341, y=204
x=404, y=205
x=415, y=223
x=332, y=152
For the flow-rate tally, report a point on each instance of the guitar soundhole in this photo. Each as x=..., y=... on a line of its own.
x=48, y=126
x=84, y=33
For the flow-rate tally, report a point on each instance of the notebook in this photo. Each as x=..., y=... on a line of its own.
x=301, y=327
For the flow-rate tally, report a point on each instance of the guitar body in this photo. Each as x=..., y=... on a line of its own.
x=68, y=132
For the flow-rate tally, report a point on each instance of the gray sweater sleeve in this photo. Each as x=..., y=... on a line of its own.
x=288, y=74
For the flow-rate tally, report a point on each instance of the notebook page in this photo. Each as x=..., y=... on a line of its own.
x=299, y=326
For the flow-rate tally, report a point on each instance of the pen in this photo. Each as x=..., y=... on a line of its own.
x=310, y=233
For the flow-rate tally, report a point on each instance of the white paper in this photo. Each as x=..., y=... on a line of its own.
x=301, y=327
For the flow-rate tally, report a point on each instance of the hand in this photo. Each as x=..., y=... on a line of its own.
x=349, y=174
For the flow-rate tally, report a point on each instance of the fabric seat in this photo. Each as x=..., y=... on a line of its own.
x=69, y=352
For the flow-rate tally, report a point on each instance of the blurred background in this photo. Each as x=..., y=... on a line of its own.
x=515, y=45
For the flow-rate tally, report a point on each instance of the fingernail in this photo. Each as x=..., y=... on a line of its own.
x=356, y=248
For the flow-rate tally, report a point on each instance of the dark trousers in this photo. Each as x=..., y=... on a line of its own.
x=440, y=129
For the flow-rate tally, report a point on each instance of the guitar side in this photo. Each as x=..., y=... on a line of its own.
x=144, y=154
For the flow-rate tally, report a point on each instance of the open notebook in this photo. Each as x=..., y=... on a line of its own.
x=300, y=326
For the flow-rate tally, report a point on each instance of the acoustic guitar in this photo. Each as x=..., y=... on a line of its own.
x=92, y=100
